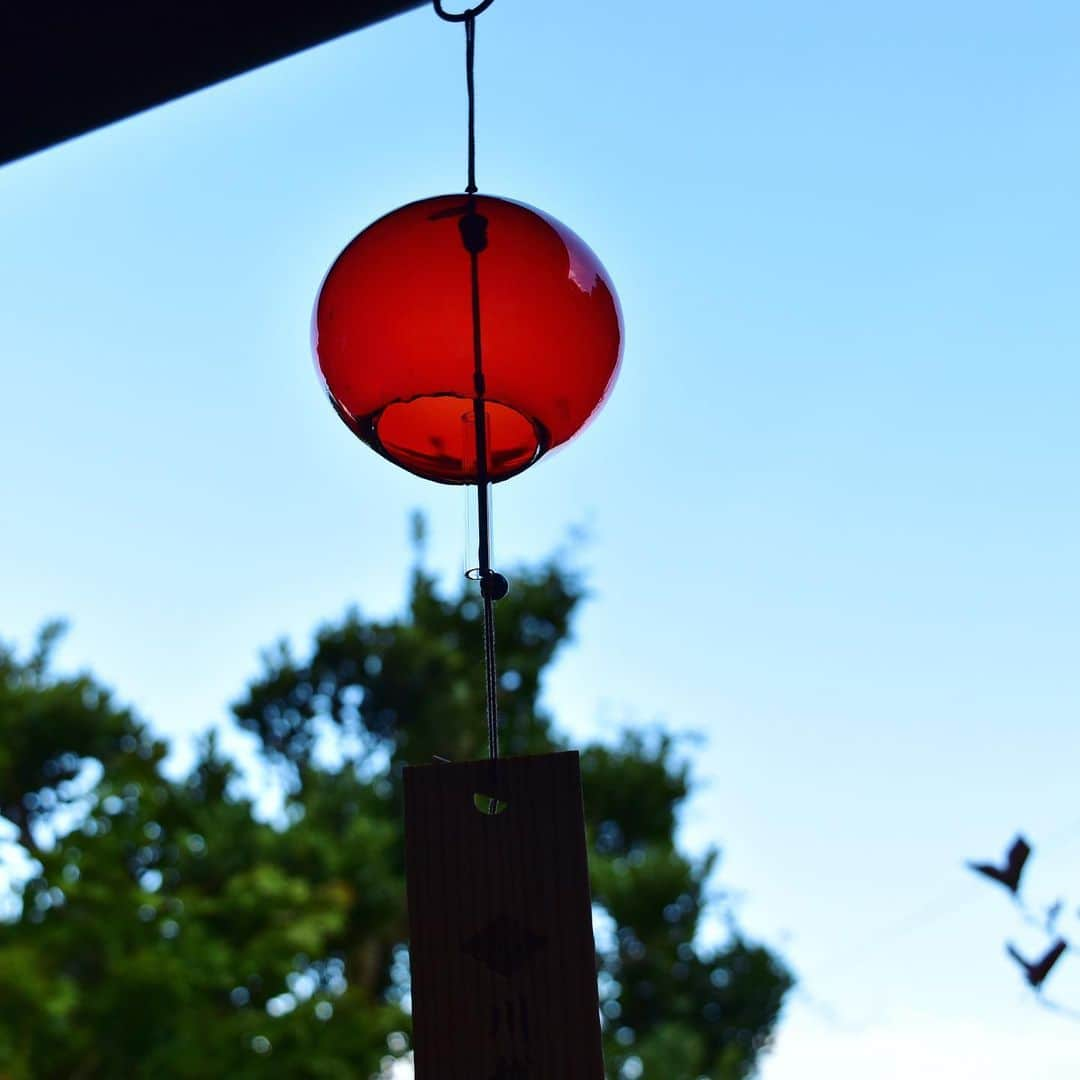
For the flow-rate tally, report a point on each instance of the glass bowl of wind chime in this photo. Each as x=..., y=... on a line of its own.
x=394, y=342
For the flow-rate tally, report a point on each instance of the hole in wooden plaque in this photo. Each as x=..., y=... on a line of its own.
x=488, y=805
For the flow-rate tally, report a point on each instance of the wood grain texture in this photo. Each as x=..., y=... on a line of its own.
x=502, y=954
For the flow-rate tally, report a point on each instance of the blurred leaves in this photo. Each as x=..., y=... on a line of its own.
x=166, y=930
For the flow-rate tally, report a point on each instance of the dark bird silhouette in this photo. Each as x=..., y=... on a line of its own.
x=1037, y=971
x=1009, y=874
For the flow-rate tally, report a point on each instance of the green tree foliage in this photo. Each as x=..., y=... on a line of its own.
x=167, y=930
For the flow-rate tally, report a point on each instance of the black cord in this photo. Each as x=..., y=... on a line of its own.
x=470, y=60
x=473, y=225
x=472, y=12
x=468, y=17
x=474, y=236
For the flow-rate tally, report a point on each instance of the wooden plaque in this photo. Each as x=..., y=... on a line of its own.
x=502, y=954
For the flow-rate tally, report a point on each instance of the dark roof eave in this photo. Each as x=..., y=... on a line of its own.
x=67, y=68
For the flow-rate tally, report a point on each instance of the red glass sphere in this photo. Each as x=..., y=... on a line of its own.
x=393, y=337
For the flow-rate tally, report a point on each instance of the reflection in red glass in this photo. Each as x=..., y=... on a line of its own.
x=393, y=337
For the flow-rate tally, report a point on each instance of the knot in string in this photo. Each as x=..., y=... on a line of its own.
x=473, y=227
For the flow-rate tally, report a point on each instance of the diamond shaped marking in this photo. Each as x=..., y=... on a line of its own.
x=505, y=946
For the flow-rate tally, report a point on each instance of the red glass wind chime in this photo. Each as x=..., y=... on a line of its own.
x=463, y=337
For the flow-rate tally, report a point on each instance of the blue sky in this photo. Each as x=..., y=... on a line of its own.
x=832, y=501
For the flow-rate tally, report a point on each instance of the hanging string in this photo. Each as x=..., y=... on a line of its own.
x=473, y=226
x=468, y=17
x=470, y=84
x=492, y=585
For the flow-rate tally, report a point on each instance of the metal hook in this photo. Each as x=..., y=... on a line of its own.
x=464, y=16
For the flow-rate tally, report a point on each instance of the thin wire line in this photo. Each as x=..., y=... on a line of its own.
x=473, y=223
x=470, y=83
x=474, y=236
x=468, y=17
